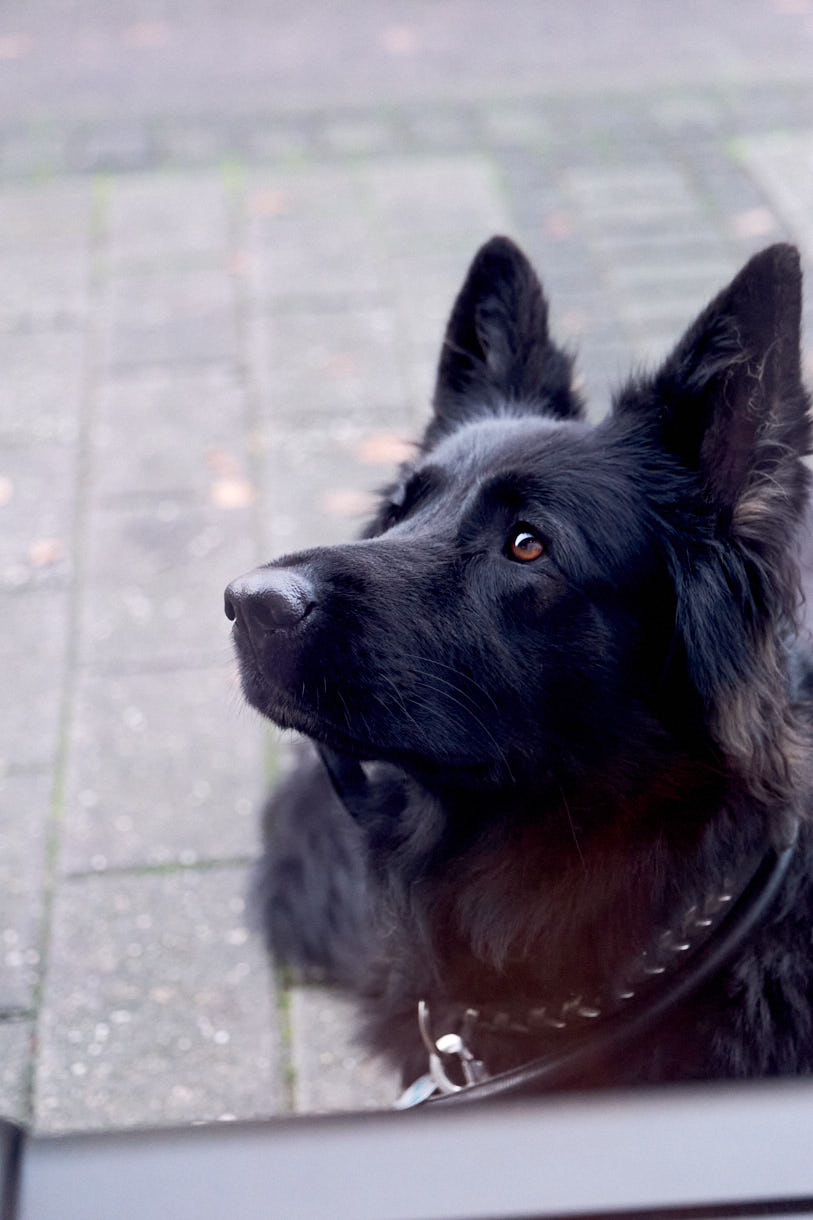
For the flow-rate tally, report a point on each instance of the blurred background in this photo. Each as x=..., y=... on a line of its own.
x=230, y=234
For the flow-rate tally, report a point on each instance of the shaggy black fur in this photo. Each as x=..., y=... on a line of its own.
x=570, y=656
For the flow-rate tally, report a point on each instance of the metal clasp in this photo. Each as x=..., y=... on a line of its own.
x=444, y=1048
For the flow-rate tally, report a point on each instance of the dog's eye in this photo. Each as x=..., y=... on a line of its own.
x=524, y=546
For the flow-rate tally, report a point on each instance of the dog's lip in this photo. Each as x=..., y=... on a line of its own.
x=282, y=707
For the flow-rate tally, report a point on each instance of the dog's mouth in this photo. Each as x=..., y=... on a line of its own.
x=300, y=713
x=295, y=707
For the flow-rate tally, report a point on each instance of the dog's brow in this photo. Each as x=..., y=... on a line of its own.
x=422, y=482
x=511, y=487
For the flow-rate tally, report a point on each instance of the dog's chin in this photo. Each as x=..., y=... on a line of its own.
x=288, y=712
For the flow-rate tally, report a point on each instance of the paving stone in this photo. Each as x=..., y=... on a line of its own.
x=606, y=190
x=16, y=1039
x=357, y=136
x=600, y=371
x=24, y=819
x=171, y=432
x=37, y=152
x=164, y=768
x=321, y=482
x=447, y=128
x=181, y=317
x=42, y=385
x=517, y=123
x=690, y=113
x=427, y=205
x=158, y=1005
x=762, y=106
x=32, y=660
x=309, y=234
x=324, y=365
x=783, y=166
x=44, y=294
x=169, y=218
x=273, y=139
x=331, y=1070
x=585, y=317
x=37, y=487
x=190, y=141
x=49, y=217
x=153, y=593
x=655, y=277
x=111, y=148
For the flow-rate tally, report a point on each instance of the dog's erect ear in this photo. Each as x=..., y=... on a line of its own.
x=729, y=401
x=730, y=406
x=496, y=352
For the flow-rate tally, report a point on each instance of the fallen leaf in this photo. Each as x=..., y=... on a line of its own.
x=45, y=551
x=14, y=46
x=384, y=448
x=238, y=262
x=755, y=222
x=347, y=502
x=146, y=34
x=558, y=224
x=232, y=493
x=343, y=364
x=223, y=463
x=399, y=40
x=269, y=202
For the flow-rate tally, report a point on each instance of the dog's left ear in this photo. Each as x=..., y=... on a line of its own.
x=729, y=407
x=497, y=352
x=729, y=403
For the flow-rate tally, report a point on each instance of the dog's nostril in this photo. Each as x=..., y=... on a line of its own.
x=280, y=608
x=270, y=599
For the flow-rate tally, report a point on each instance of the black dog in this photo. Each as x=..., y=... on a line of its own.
x=569, y=657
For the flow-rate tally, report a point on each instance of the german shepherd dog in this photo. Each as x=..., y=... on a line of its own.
x=564, y=683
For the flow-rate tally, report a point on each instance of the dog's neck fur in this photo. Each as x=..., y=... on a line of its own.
x=576, y=901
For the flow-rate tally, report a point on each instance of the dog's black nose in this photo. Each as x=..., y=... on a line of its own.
x=269, y=599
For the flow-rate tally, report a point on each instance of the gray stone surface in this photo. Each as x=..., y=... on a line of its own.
x=25, y=814
x=185, y=437
x=782, y=163
x=171, y=219
x=33, y=663
x=332, y=362
x=42, y=385
x=155, y=579
x=36, y=518
x=181, y=317
x=16, y=1044
x=331, y=1070
x=158, y=1005
x=310, y=236
x=321, y=483
x=164, y=768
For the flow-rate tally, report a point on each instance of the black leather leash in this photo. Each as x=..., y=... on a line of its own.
x=567, y=1066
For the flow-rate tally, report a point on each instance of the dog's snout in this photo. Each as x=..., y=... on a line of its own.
x=269, y=599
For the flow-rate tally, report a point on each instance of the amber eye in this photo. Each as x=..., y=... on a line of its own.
x=525, y=546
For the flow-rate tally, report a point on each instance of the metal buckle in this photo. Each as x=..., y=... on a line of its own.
x=446, y=1047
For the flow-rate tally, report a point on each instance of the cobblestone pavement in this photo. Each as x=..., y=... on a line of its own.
x=220, y=314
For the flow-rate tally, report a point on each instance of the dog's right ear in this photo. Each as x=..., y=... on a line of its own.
x=497, y=353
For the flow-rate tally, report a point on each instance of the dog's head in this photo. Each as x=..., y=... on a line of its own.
x=538, y=595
